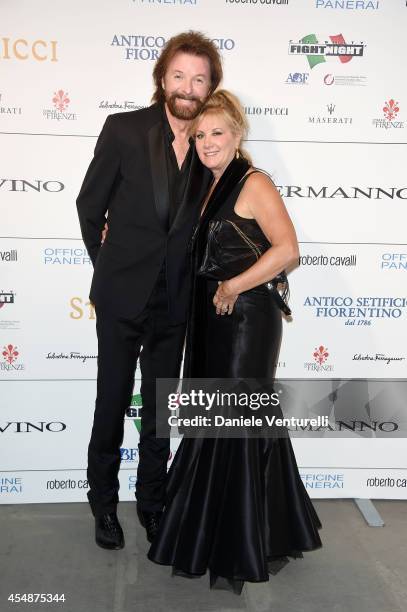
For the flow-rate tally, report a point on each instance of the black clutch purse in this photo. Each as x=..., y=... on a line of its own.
x=229, y=251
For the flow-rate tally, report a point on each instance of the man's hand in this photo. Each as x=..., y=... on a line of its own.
x=224, y=298
x=104, y=233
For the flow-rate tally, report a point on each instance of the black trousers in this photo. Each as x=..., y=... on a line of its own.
x=151, y=338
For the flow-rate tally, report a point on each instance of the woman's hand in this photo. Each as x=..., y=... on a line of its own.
x=104, y=233
x=225, y=298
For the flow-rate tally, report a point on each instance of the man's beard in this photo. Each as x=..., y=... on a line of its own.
x=184, y=113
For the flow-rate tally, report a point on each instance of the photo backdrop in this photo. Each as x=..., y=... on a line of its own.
x=321, y=82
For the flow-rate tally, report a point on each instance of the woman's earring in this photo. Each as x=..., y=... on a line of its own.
x=237, y=154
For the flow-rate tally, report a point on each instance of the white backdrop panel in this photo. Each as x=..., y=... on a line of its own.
x=332, y=135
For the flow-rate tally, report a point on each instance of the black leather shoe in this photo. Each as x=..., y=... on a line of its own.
x=150, y=521
x=108, y=531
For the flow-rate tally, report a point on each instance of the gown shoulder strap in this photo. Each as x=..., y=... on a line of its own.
x=229, y=205
x=254, y=171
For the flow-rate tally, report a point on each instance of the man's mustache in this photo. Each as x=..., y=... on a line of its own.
x=181, y=97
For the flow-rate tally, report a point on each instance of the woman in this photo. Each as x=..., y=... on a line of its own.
x=237, y=507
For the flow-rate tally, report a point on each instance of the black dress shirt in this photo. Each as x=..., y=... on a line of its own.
x=177, y=177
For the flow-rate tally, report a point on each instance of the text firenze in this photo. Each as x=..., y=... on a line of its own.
x=37, y=185
x=384, y=123
x=11, y=367
x=371, y=193
x=51, y=113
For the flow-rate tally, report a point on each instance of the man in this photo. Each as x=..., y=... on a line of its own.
x=146, y=175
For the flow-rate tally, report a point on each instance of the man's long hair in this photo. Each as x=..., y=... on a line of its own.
x=191, y=42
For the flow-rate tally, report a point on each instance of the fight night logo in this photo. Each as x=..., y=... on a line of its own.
x=317, y=52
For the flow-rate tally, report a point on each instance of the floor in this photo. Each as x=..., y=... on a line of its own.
x=49, y=548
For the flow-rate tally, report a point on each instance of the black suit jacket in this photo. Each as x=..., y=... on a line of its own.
x=128, y=179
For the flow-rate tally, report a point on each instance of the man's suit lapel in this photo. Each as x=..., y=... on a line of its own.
x=195, y=189
x=158, y=165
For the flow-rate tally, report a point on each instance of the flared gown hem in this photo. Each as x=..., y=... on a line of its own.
x=236, y=583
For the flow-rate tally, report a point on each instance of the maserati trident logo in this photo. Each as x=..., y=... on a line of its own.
x=328, y=119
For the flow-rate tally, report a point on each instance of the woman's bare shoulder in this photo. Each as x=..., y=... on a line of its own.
x=259, y=182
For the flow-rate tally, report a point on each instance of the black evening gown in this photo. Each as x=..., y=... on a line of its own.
x=235, y=506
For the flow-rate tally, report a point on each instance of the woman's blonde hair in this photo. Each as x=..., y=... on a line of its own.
x=224, y=103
